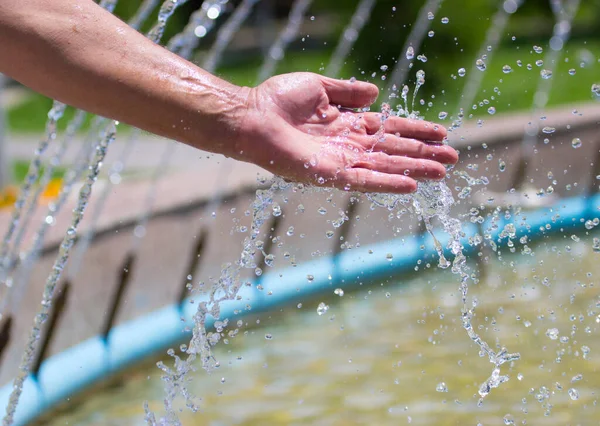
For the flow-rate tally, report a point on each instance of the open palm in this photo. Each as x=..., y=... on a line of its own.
x=305, y=128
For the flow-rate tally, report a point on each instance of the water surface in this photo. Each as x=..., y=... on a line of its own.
x=396, y=354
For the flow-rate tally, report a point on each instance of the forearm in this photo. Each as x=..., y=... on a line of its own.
x=74, y=51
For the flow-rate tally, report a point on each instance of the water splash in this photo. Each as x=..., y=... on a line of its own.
x=434, y=200
x=226, y=288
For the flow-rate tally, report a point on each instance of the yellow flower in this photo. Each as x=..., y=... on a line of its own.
x=53, y=189
x=8, y=196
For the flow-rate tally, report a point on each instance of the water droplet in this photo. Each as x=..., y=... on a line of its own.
x=441, y=387
x=430, y=16
x=596, y=89
x=501, y=165
x=552, y=333
x=546, y=74
x=339, y=292
x=539, y=62
x=443, y=115
x=310, y=278
x=268, y=336
x=574, y=394
x=572, y=71
x=491, y=110
x=508, y=420
x=389, y=256
x=462, y=72
x=548, y=130
x=576, y=143
x=577, y=378
x=506, y=69
x=537, y=49
x=410, y=52
x=322, y=308
x=383, y=68
x=431, y=34
x=445, y=20
x=480, y=64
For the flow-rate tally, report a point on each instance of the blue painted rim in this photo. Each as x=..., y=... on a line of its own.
x=70, y=372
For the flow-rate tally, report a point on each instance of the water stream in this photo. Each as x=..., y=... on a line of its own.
x=32, y=177
x=53, y=278
x=277, y=51
x=349, y=36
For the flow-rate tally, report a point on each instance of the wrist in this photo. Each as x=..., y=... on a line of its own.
x=216, y=111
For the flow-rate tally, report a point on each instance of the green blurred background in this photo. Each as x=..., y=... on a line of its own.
x=454, y=45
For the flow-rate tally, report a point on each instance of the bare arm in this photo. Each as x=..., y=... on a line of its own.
x=80, y=54
x=74, y=51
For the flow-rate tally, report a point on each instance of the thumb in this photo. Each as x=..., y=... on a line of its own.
x=350, y=94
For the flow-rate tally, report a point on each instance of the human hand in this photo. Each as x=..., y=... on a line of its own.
x=303, y=127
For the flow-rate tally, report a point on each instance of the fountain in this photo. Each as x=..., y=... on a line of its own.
x=229, y=295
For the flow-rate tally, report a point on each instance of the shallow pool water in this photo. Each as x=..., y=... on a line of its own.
x=396, y=354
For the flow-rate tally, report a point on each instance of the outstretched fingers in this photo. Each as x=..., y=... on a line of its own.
x=364, y=180
x=398, y=165
x=350, y=94
x=394, y=145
